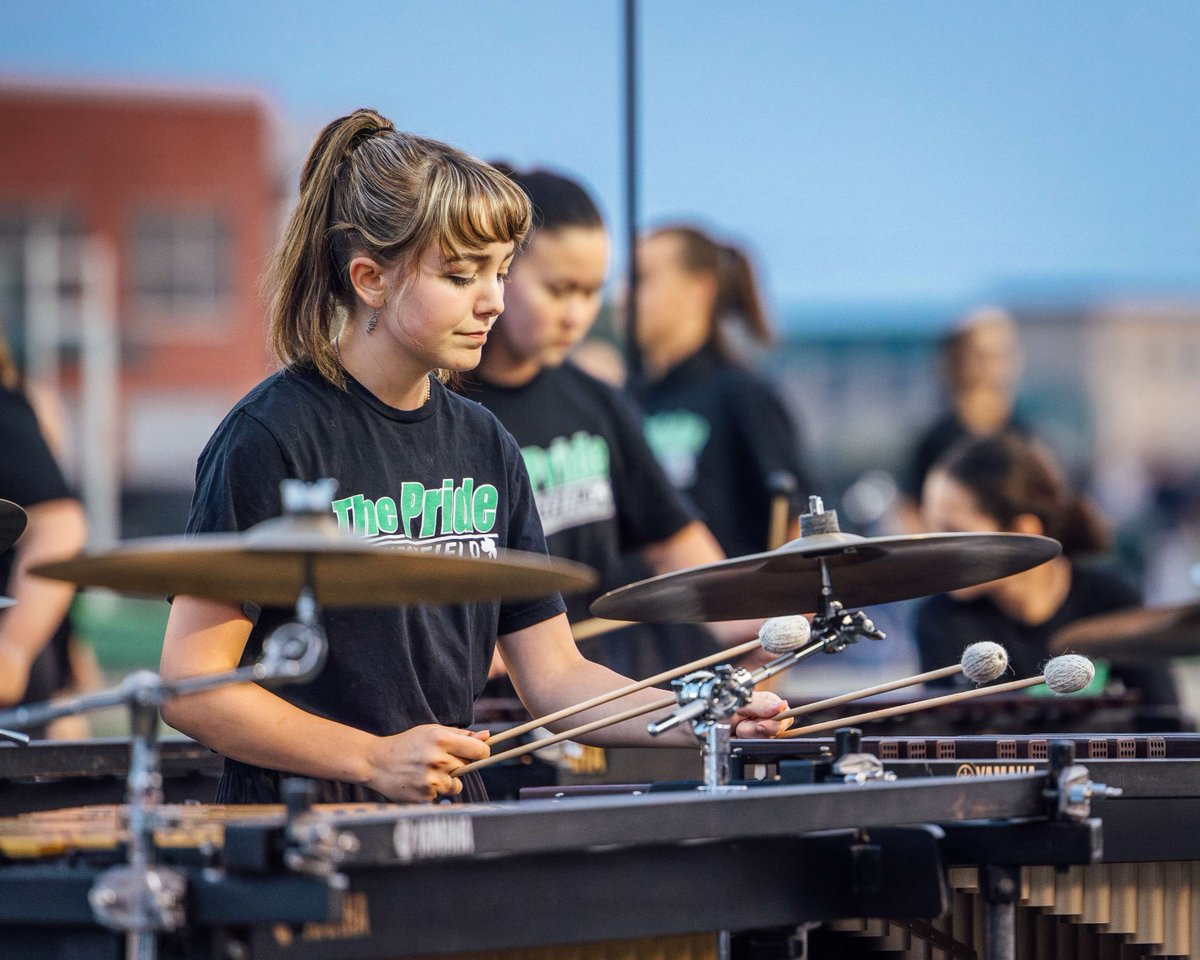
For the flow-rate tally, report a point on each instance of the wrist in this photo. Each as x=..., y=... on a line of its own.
x=362, y=762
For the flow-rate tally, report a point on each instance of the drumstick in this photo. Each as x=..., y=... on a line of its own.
x=595, y=626
x=1066, y=674
x=782, y=486
x=981, y=663
x=777, y=635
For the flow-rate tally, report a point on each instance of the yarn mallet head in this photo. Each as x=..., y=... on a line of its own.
x=779, y=635
x=984, y=661
x=1069, y=673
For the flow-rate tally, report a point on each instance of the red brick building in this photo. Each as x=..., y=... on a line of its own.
x=181, y=188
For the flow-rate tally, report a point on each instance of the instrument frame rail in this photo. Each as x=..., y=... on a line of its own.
x=1153, y=819
x=52, y=774
x=595, y=867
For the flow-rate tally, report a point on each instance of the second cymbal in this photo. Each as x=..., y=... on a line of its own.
x=270, y=562
x=863, y=571
x=1132, y=636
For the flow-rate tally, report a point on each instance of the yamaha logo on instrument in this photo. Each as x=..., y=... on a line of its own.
x=433, y=836
x=993, y=769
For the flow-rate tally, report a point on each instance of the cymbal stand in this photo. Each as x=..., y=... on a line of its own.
x=709, y=699
x=139, y=896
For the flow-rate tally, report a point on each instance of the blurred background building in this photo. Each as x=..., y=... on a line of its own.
x=132, y=225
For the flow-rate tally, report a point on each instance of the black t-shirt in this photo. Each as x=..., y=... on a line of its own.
x=446, y=477
x=940, y=437
x=720, y=432
x=598, y=488
x=29, y=475
x=945, y=627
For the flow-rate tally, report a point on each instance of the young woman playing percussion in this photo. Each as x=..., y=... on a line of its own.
x=599, y=491
x=1007, y=483
x=392, y=267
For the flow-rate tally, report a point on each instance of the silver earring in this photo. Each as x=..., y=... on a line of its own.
x=373, y=322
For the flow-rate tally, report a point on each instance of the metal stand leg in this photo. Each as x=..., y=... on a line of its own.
x=140, y=897
x=716, y=757
x=145, y=791
x=1001, y=886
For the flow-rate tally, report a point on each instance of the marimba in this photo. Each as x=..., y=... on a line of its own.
x=391, y=881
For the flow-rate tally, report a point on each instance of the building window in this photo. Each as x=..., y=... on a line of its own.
x=181, y=264
x=40, y=279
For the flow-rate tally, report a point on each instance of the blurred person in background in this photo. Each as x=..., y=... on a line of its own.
x=599, y=490
x=1005, y=483
x=391, y=269
x=1172, y=564
x=979, y=363
x=36, y=645
x=720, y=431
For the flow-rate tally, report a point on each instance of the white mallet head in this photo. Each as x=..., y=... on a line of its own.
x=780, y=635
x=1069, y=673
x=984, y=661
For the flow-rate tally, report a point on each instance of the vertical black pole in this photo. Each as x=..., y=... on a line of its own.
x=633, y=357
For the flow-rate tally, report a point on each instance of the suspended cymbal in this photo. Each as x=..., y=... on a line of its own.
x=267, y=565
x=863, y=571
x=12, y=524
x=1134, y=635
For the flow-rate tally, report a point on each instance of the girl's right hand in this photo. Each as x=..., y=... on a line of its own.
x=414, y=766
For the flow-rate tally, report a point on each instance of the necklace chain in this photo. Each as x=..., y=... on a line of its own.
x=337, y=349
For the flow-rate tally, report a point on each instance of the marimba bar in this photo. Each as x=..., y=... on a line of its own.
x=1105, y=911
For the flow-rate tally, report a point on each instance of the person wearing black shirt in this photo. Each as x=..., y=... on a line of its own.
x=718, y=429
x=1005, y=483
x=979, y=362
x=391, y=267
x=600, y=492
x=35, y=631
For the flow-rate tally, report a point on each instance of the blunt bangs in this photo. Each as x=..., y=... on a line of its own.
x=471, y=205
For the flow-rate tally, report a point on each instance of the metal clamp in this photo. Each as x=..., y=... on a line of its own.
x=861, y=767
x=1072, y=790
x=139, y=899
x=313, y=846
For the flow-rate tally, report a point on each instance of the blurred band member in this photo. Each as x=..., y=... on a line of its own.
x=717, y=428
x=979, y=362
x=599, y=490
x=35, y=633
x=1007, y=484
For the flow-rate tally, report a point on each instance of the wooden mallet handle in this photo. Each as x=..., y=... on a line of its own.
x=565, y=735
x=914, y=706
x=871, y=691
x=603, y=698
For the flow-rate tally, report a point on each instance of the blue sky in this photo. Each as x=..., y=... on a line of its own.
x=930, y=151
